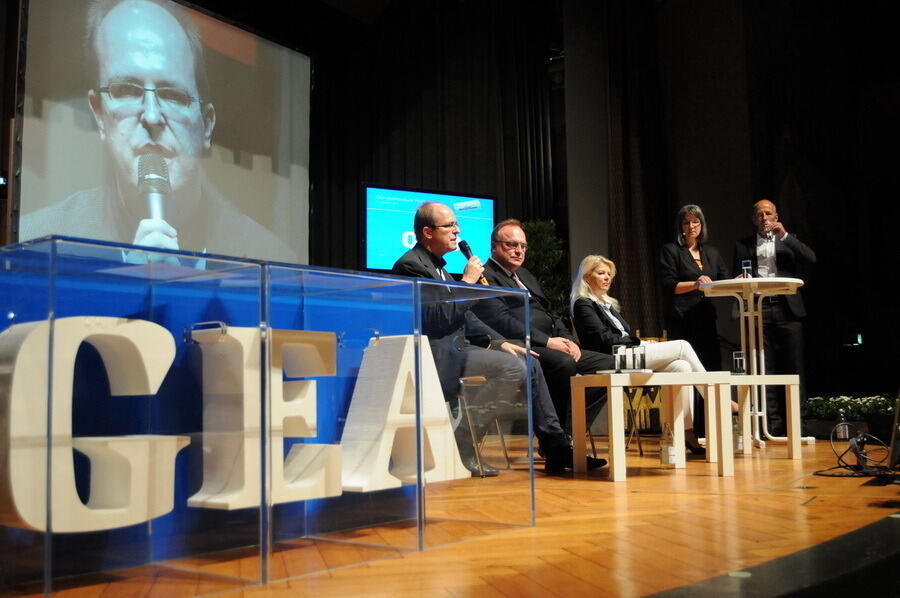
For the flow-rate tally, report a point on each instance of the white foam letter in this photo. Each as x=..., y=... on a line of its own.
x=379, y=438
x=132, y=477
x=231, y=417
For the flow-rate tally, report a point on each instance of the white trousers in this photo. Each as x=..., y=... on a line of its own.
x=676, y=356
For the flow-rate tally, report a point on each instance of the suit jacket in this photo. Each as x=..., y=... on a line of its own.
x=446, y=320
x=418, y=262
x=97, y=214
x=678, y=265
x=595, y=328
x=507, y=314
x=791, y=260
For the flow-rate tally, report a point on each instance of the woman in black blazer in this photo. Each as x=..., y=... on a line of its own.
x=684, y=266
x=600, y=326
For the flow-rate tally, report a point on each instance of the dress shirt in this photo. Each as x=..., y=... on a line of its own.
x=512, y=275
x=765, y=256
x=614, y=319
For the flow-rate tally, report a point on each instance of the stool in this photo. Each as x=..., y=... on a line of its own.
x=791, y=382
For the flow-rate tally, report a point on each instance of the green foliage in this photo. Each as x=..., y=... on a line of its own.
x=853, y=408
x=546, y=261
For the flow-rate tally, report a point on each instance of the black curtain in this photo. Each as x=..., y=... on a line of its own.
x=448, y=95
x=452, y=96
x=639, y=221
x=825, y=118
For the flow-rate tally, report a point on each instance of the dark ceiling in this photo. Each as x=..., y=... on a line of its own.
x=365, y=11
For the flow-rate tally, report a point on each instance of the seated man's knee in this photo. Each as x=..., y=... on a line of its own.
x=514, y=368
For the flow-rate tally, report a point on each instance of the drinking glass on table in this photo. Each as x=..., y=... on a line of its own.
x=747, y=268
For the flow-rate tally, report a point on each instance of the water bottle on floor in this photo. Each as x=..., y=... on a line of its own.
x=667, y=447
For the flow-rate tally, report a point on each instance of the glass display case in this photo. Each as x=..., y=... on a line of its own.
x=213, y=423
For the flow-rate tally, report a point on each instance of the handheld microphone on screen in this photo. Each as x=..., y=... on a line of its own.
x=467, y=251
x=153, y=183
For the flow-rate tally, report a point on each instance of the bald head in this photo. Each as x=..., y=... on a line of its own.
x=146, y=98
x=764, y=216
x=98, y=11
x=764, y=204
x=436, y=228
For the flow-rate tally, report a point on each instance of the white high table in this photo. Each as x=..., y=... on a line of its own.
x=750, y=293
x=718, y=401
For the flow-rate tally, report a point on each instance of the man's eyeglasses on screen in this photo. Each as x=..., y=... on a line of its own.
x=131, y=96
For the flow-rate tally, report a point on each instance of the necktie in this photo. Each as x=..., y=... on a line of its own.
x=518, y=282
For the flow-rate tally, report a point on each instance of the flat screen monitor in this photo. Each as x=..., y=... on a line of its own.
x=389, y=224
x=223, y=112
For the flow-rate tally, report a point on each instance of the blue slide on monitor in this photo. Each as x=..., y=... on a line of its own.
x=389, y=224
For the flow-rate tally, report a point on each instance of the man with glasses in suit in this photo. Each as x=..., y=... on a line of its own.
x=561, y=357
x=150, y=97
x=450, y=325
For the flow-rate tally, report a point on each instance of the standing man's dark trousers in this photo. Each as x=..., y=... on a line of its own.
x=784, y=355
x=559, y=367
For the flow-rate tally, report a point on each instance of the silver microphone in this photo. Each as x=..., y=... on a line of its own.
x=153, y=183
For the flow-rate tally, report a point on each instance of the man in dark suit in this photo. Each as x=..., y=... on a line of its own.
x=561, y=357
x=775, y=252
x=449, y=325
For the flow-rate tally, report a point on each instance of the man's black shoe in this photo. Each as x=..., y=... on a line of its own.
x=554, y=462
x=595, y=463
x=559, y=459
x=471, y=464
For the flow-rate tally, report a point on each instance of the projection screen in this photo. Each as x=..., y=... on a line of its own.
x=154, y=124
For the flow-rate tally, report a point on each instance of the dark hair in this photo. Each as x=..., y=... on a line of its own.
x=502, y=224
x=99, y=9
x=690, y=210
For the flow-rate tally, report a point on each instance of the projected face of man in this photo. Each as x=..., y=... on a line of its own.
x=142, y=44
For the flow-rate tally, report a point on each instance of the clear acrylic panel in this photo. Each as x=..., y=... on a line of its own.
x=488, y=393
x=101, y=367
x=350, y=337
x=188, y=421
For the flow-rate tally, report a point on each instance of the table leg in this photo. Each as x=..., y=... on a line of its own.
x=712, y=434
x=676, y=413
x=579, y=454
x=744, y=400
x=793, y=420
x=725, y=440
x=616, y=424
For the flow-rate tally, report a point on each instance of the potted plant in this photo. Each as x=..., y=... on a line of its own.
x=876, y=412
x=546, y=260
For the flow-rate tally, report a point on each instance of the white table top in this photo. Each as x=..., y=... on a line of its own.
x=651, y=379
x=751, y=286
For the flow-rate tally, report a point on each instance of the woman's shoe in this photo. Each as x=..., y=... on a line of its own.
x=692, y=444
x=695, y=450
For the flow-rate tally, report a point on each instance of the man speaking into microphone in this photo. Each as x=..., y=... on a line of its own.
x=449, y=324
x=150, y=102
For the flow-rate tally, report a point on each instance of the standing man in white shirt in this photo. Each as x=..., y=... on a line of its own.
x=774, y=251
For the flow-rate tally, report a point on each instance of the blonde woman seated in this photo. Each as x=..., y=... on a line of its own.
x=600, y=326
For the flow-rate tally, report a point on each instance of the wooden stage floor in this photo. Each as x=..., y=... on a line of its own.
x=659, y=530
